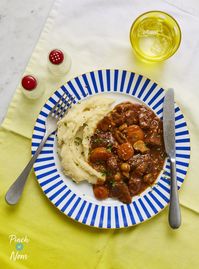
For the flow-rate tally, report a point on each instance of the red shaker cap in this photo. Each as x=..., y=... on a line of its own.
x=29, y=83
x=56, y=56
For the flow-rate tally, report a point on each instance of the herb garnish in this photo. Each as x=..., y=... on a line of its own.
x=109, y=148
x=98, y=140
x=106, y=173
x=112, y=183
x=78, y=141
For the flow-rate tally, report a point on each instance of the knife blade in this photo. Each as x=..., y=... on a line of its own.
x=169, y=141
x=169, y=123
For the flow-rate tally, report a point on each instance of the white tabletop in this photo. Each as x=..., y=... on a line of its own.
x=20, y=25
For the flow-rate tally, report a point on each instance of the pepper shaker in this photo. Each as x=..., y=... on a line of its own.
x=59, y=62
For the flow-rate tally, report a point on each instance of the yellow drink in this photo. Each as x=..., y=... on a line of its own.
x=155, y=36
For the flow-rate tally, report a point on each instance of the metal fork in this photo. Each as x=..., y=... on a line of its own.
x=63, y=104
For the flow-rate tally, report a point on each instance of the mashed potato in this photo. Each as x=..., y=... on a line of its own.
x=74, y=132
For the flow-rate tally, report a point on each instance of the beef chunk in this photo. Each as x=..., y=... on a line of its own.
x=145, y=118
x=101, y=139
x=105, y=124
x=135, y=184
x=131, y=117
x=142, y=168
x=119, y=136
x=124, y=107
x=121, y=192
x=141, y=164
x=154, y=139
x=112, y=164
x=118, y=118
x=137, y=159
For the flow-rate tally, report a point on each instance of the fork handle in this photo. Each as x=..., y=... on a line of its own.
x=174, y=208
x=14, y=192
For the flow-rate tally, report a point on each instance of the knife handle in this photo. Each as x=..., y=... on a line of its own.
x=174, y=208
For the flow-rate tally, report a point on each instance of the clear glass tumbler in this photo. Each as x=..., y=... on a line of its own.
x=155, y=36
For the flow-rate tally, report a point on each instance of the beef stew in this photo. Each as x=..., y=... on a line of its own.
x=127, y=147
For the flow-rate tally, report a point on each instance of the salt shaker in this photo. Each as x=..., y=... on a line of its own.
x=59, y=62
x=31, y=87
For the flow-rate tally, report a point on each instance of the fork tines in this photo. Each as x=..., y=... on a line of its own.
x=64, y=103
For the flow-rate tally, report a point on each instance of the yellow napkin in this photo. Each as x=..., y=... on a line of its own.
x=34, y=234
x=55, y=241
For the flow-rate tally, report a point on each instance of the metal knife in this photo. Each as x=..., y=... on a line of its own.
x=169, y=142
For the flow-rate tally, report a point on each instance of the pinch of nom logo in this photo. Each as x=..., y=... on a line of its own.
x=19, y=245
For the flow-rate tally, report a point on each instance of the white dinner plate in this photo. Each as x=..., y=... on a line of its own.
x=77, y=200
